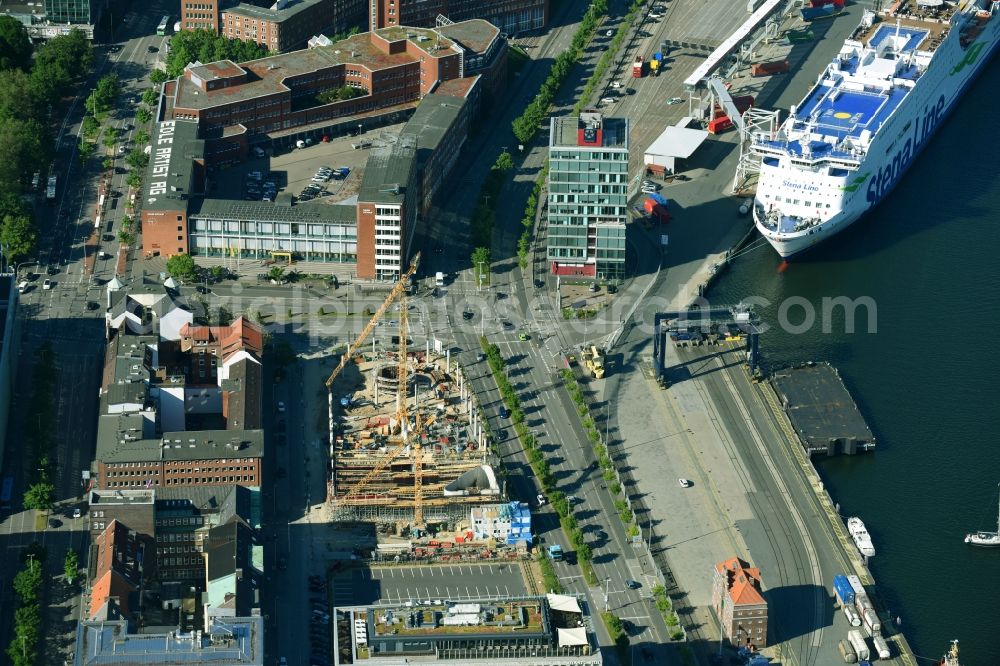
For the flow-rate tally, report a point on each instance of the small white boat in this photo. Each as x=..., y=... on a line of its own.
x=987, y=539
x=862, y=539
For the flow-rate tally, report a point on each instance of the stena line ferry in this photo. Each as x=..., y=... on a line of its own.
x=845, y=146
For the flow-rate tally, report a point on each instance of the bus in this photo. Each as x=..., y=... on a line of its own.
x=7, y=491
x=161, y=29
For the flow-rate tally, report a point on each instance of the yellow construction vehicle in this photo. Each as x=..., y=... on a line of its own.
x=593, y=360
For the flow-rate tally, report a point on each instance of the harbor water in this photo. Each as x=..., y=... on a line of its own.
x=926, y=380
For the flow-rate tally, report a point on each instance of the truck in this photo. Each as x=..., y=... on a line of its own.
x=855, y=583
x=656, y=64
x=556, y=553
x=843, y=590
x=871, y=622
x=656, y=209
x=852, y=616
x=769, y=68
x=847, y=652
x=637, y=66
x=593, y=360
x=720, y=122
x=857, y=641
x=881, y=647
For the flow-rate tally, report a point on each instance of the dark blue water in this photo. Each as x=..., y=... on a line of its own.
x=928, y=381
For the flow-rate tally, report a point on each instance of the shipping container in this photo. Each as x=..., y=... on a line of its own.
x=769, y=68
x=719, y=125
x=842, y=588
x=858, y=643
x=863, y=603
x=870, y=620
x=856, y=584
x=847, y=652
x=881, y=647
x=637, y=65
x=659, y=198
x=852, y=616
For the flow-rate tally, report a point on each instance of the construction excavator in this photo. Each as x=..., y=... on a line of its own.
x=409, y=436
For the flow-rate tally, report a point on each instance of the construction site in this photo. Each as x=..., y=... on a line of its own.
x=408, y=448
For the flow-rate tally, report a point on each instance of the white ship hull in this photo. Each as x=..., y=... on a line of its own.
x=836, y=158
x=862, y=539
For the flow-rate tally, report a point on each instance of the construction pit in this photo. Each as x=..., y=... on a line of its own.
x=412, y=459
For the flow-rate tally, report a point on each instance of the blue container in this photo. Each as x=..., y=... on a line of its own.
x=658, y=198
x=842, y=588
x=657, y=56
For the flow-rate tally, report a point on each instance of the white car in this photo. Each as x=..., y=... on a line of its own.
x=281, y=406
x=684, y=483
x=609, y=33
x=77, y=513
x=608, y=100
x=616, y=84
x=47, y=284
x=541, y=500
x=675, y=100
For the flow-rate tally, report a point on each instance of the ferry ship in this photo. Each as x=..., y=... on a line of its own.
x=846, y=145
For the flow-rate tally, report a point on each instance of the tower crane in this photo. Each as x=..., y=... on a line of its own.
x=407, y=436
x=397, y=290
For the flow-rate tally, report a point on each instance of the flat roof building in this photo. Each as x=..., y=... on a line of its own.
x=588, y=196
x=279, y=26
x=533, y=631
x=511, y=16
x=231, y=640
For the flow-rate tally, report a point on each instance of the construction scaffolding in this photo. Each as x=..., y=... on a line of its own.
x=371, y=479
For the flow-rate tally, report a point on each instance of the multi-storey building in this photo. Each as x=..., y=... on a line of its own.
x=739, y=603
x=117, y=556
x=279, y=26
x=511, y=16
x=179, y=407
x=588, y=196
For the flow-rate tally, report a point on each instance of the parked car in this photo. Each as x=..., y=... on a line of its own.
x=632, y=584
x=684, y=483
x=47, y=285
x=281, y=406
x=609, y=33
x=77, y=512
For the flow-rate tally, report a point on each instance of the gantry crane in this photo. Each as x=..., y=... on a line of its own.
x=402, y=413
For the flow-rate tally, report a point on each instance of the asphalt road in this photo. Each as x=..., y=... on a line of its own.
x=61, y=316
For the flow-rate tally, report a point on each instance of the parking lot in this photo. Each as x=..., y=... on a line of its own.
x=399, y=584
x=293, y=171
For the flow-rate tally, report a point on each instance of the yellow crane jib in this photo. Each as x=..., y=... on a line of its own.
x=397, y=289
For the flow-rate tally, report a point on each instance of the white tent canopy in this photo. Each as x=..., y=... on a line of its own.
x=574, y=636
x=673, y=144
x=564, y=603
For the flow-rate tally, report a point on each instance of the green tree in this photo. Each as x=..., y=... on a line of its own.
x=90, y=127
x=137, y=159
x=125, y=238
x=505, y=162
x=110, y=137
x=39, y=495
x=340, y=94
x=141, y=137
x=158, y=76
x=143, y=115
x=481, y=262
x=85, y=150
x=133, y=179
x=107, y=163
x=17, y=97
x=181, y=266
x=108, y=89
x=58, y=62
x=15, y=46
x=26, y=146
x=71, y=565
x=28, y=582
x=277, y=273
x=149, y=96
x=205, y=46
x=18, y=236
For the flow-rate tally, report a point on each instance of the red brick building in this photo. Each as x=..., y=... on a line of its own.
x=280, y=26
x=739, y=603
